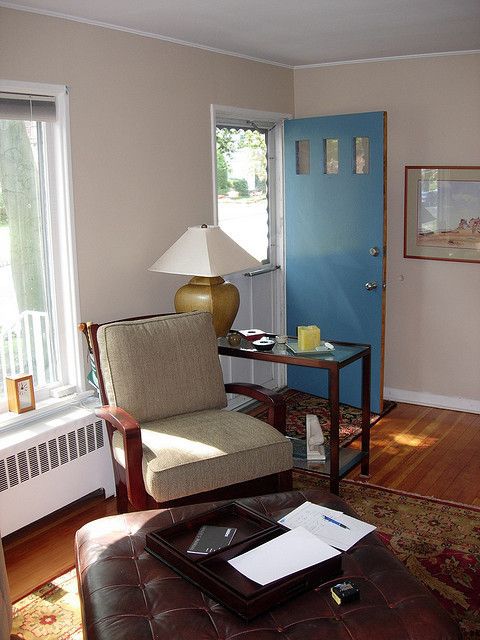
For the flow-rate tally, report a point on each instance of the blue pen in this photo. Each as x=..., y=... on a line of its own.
x=344, y=526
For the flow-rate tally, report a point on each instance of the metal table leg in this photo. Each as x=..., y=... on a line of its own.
x=365, y=414
x=333, y=394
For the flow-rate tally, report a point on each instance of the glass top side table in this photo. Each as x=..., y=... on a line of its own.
x=339, y=462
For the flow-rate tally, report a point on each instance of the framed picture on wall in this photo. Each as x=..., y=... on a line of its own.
x=442, y=213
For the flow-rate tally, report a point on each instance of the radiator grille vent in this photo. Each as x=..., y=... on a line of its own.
x=3, y=476
x=33, y=462
x=23, y=466
x=72, y=445
x=29, y=463
x=12, y=471
x=62, y=445
x=82, y=441
x=52, y=448
x=43, y=455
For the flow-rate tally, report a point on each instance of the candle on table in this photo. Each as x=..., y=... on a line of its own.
x=308, y=337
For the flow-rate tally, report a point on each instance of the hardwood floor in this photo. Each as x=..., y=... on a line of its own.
x=428, y=451
x=432, y=452
x=44, y=550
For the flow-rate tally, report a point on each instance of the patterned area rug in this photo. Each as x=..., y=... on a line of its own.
x=300, y=403
x=439, y=542
x=51, y=612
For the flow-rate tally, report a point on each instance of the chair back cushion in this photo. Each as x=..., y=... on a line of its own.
x=162, y=366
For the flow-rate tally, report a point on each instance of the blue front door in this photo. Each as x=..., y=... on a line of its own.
x=335, y=190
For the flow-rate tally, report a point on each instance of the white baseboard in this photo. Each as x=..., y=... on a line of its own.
x=432, y=400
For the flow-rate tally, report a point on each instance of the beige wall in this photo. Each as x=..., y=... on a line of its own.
x=140, y=129
x=433, y=308
x=141, y=149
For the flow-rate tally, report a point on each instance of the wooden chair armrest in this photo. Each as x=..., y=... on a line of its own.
x=124, y=423
x=274, y=401
x=120, y=420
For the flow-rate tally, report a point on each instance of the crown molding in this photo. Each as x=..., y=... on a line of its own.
x=138, y=32
x=413, y=56
x=184, y=43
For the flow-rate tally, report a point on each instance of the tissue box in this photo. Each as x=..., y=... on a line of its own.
x=308, y=337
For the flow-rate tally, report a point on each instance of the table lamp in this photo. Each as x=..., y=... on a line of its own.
x=207, y=253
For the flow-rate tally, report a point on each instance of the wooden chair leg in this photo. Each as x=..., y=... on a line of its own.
x=122, y=495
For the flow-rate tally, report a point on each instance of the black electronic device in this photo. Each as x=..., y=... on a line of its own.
x=346, y=591
x=211, y=538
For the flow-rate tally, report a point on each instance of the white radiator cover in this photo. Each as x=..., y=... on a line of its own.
x=48, y=464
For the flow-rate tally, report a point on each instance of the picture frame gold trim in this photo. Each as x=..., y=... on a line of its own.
x=442, y=213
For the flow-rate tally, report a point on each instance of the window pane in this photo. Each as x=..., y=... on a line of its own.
x=25, y=310
x=330, y=149
x=362, y=155
x=302, y=157
x=242, y=188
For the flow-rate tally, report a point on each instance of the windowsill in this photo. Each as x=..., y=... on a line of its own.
x=50, y=406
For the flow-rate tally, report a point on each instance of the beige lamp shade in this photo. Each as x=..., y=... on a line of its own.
x=207, y=253
x=204, y=251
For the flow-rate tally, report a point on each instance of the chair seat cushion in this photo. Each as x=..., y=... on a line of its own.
x=195, y=452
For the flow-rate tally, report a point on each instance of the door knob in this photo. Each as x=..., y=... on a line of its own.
x=374, y=251
x=370, y=285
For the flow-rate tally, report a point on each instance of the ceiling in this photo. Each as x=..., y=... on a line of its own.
x=287, y=32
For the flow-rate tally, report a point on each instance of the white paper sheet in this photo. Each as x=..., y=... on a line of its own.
x=311, y=517
x=286, y=554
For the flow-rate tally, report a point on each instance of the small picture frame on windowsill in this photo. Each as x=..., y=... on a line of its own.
x=20, y=393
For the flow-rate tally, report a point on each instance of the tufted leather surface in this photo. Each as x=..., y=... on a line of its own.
x=129, y=595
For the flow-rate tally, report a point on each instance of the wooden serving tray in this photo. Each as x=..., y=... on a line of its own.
x=218, y=579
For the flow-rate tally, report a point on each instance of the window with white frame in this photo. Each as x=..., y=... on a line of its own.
x=38, y=291
x=243, y=186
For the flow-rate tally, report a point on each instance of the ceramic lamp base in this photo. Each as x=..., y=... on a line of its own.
x=214, y=295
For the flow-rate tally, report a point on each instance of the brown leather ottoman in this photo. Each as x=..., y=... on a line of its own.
x=127, y=594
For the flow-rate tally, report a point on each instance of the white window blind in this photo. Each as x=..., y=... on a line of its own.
x=17, y=106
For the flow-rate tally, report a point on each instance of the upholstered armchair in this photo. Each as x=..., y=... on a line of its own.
x=173, y=441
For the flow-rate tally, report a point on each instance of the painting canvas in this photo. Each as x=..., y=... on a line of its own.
x=442, y=213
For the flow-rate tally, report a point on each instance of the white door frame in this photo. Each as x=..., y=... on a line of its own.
x=277, y=205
